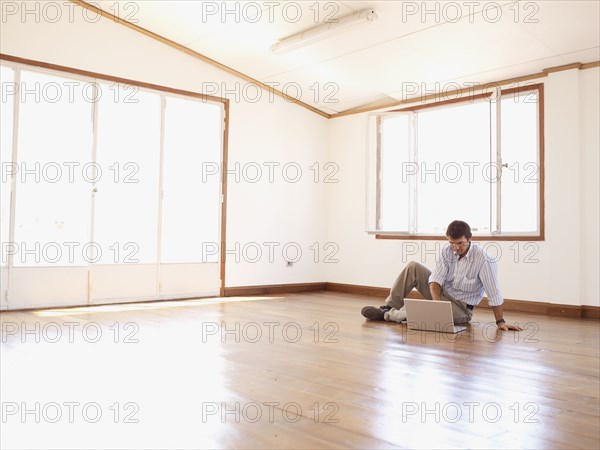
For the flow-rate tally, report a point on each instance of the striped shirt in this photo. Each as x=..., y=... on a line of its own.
x=467, y=278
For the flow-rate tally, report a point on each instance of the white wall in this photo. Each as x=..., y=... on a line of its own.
x=270, y=130
x=589, y=118
x=565, y=266
x=308, y=212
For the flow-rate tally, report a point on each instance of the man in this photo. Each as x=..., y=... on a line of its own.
x=463, y=272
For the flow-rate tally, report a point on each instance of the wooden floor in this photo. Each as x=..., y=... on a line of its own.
x=292, y=371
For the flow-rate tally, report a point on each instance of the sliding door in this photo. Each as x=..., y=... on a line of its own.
x=114, y=193
x=191, y=207
x=52, y=192
x=126, y=195
x=7, y=78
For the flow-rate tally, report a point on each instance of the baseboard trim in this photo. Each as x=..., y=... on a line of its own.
x=590, y=312
x=544, y=308
x=369, y=291
x=273, y=289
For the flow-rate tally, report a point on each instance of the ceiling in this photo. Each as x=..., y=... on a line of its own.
x=412, y=48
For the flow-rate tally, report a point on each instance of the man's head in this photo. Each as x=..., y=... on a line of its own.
x=458, y=229
x=459, y=235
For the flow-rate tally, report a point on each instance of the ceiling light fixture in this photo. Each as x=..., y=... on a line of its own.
x=323, y=31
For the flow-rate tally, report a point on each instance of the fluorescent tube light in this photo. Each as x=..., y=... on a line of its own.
x=323, y=31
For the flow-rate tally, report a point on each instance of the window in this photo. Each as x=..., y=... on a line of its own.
x=126, y=194
x=52, y=209
x=477, y=159
x=191, y=204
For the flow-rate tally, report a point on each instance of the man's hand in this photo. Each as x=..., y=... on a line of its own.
x=506, y=327
x=499, y=318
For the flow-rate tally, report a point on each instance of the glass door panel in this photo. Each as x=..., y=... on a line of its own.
x=191, y=197
x=7, y=76
x=126, y=194
x=52, y=211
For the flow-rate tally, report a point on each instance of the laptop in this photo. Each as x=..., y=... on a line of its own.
x=431, y=315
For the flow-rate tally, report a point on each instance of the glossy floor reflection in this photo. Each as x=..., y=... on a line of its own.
x=292, y=371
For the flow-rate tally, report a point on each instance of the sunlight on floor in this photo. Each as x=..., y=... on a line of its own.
x=146, y=306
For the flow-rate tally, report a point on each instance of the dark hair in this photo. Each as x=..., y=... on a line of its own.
x=458, y=229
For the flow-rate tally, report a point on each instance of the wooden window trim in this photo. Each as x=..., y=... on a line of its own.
x=105, y=77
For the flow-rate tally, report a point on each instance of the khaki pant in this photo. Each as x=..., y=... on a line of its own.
x=416, y=276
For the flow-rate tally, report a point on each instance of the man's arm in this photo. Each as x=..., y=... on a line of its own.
x=489, y=279
x=436, y=291
x=437, y=277
x=500, y=320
